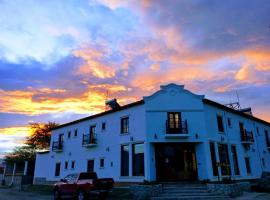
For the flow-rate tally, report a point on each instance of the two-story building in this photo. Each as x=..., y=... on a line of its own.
x=170, y=135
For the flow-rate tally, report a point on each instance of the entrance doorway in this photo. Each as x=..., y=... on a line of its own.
x=176, y=162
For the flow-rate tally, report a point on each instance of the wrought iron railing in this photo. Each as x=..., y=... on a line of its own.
x=57, y=146
x=176, y=127
x=89, y=139
x=247, y=136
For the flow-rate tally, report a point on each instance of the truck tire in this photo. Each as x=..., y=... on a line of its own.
x=56, y=194
x=81, y=195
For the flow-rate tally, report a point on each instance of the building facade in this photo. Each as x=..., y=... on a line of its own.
x=171, y=135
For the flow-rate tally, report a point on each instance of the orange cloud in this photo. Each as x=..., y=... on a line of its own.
x=93, y=64
x=90, y=101
x=19, y=131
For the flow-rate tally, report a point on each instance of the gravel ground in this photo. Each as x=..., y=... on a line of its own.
x=254, y=196
x=9, y=194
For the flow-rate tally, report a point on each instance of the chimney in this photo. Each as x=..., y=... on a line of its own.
x=112, y=104
x=246, y=111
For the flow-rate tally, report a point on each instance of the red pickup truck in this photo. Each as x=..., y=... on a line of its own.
x=82, y=186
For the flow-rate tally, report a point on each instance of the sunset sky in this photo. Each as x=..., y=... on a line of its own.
x=59, y=60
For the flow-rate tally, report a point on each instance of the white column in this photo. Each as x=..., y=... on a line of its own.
x=25, y=168
x=130, y=159
x=13, y=173
x=147, y=161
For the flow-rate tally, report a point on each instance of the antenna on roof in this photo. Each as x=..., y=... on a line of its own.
x=236, y=106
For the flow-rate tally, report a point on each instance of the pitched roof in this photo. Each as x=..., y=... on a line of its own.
x=218, y=105
x=101, y=114
x=206, y=101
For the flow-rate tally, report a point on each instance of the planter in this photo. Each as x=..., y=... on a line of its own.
x=230, y=189
x=143, y=192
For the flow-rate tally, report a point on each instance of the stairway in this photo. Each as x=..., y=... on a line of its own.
x=188, y=191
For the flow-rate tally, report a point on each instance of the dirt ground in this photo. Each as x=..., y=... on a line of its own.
x=9, y=194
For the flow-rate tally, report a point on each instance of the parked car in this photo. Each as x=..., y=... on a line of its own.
x=82, y=186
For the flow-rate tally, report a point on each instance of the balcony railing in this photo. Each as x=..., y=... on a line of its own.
x=268, y=143
x=176, y=127
x=57, y=146
x=247, y=136
x=89, y=140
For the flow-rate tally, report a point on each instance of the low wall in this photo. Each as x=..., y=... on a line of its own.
x=43, y=181
x=232, y=189
x=143, y=192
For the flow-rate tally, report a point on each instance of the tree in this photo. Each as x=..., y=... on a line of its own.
x=41, y=135
x=38, y=140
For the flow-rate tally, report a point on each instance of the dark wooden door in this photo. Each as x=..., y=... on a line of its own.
x=90, y=165
x=175, y=162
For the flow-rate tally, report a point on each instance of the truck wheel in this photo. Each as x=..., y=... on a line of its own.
x=81, y=195
x=102, y=196
x=57, y=195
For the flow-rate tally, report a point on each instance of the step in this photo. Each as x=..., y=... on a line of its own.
x=184, y=191
x=183, y=188
x=212, y=197
x=188, y=194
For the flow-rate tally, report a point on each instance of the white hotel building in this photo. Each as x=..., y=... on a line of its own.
x=171, y=135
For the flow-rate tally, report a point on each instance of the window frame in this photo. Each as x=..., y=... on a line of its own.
x=69, y=134
x=124, y=162
x=124, y=127
x=57, y=171
x=73, y=164
x=102, y=162
x=220, y=124
x=134, y=161
x=103, y=126
x=66, y=165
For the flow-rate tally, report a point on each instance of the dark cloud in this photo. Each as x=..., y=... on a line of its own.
x=214, y=25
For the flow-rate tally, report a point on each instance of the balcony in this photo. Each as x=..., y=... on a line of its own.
x=176, y=129
x=89, y=140
x=57, y=146
x=268, y=144
x=247, y=137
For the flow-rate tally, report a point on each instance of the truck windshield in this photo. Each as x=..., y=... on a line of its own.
x=84, y=176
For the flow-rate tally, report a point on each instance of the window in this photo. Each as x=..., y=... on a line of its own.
x=235, y=160
x=69, y=134
x=124, y=160
x=66, y=164
x=101, y=162
x=220, y=123
x=124, y=125
x=263, y=162
x=103, y=126
x=241, y=128
x=93, y=129
x=213, y=157
x=57, y=169
x=267, y=140
x=247, y=161
x=174, y=119
x=224, y=159
x=257, y=130
x=138, y=159
x=73, y=164
x=90, y=165
x=229, y=122
x=75, y=132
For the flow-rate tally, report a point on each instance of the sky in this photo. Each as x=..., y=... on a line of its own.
x=60, y=60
